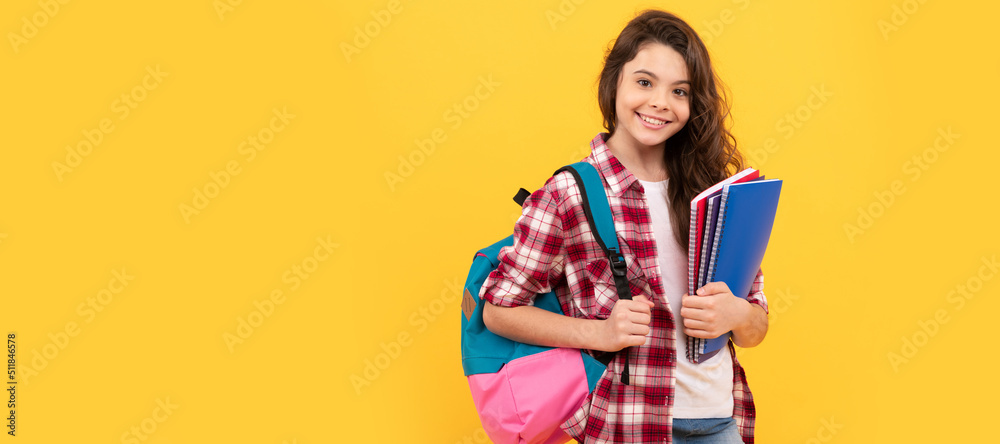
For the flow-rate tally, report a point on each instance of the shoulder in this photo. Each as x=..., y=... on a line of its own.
x=560, y=195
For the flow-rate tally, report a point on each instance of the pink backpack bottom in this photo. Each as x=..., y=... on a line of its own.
x=527, y=401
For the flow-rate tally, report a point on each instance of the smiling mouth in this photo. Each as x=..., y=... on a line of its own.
x=652, y=121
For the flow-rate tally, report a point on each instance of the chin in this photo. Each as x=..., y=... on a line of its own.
x=651, y=140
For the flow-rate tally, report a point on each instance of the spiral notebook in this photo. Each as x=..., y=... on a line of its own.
x=734, y=247
x=708, y=233
x=696, y=231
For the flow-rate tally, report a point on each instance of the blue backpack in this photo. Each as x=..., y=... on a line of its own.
x=524, y=392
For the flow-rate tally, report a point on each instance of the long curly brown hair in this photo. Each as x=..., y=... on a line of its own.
x=704, y=151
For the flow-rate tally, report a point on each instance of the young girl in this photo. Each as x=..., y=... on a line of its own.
x=665, y=142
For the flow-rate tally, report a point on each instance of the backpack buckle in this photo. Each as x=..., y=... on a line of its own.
x=620, y=272
x=618, y=266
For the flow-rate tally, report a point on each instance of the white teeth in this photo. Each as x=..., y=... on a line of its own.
x=652, y=120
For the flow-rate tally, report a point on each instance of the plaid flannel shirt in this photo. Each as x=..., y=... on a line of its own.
x=555, y=249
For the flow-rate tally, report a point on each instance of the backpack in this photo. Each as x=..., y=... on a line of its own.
x=524, y=392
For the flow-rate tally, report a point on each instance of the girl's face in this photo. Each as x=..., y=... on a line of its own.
x=652, y=101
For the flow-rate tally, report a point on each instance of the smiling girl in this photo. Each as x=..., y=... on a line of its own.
x=666, y=141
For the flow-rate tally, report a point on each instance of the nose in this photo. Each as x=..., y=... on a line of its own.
x=660, y=99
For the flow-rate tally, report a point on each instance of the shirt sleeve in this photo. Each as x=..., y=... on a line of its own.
x=534, y=262
x=756, y=295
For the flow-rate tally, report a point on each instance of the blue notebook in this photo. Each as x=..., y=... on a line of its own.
x=708, y=243
x=742, y=230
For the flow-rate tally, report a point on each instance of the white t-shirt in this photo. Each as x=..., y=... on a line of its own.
x=703, y=390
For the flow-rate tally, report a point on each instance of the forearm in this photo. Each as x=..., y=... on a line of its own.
x=533, y=325
x=751, y=332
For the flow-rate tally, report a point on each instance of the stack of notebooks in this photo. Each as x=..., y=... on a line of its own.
x=730, y=226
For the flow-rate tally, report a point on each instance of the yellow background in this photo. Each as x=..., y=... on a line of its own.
x=840, y=303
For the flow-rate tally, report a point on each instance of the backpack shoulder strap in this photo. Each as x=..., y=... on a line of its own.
x=598, y=211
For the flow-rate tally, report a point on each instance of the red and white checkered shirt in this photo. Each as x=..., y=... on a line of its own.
x=554, y=249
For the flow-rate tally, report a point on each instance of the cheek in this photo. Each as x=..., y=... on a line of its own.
x=629, y=99
x=621, y=107
x=622, y=103
x=683, y=111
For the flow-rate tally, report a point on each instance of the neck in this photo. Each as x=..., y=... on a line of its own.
x=644, y=162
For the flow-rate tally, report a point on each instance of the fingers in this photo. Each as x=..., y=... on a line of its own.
x=626, y=335
x=632, y=319
x=703, y=309
x=635, y=341
x=628, y=324
x=700, y=329
x=633, y=332
x=701, y=334
x=696, y=303
x=713, y=288
x=638, y=312
x=643, y=299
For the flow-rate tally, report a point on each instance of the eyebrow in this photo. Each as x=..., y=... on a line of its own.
x=643, y=71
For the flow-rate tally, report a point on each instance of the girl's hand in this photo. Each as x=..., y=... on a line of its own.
x=627, y=325
x=713, y=311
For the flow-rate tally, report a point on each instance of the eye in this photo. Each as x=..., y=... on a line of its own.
x=644, y=82
x=680, y=92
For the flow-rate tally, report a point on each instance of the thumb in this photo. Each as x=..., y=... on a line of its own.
x=643, y=299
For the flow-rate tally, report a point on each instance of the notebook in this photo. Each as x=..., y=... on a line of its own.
x=695, y=233
x=708, y=234
x=742, y=230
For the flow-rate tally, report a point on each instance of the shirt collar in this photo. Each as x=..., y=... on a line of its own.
x=618, y=177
